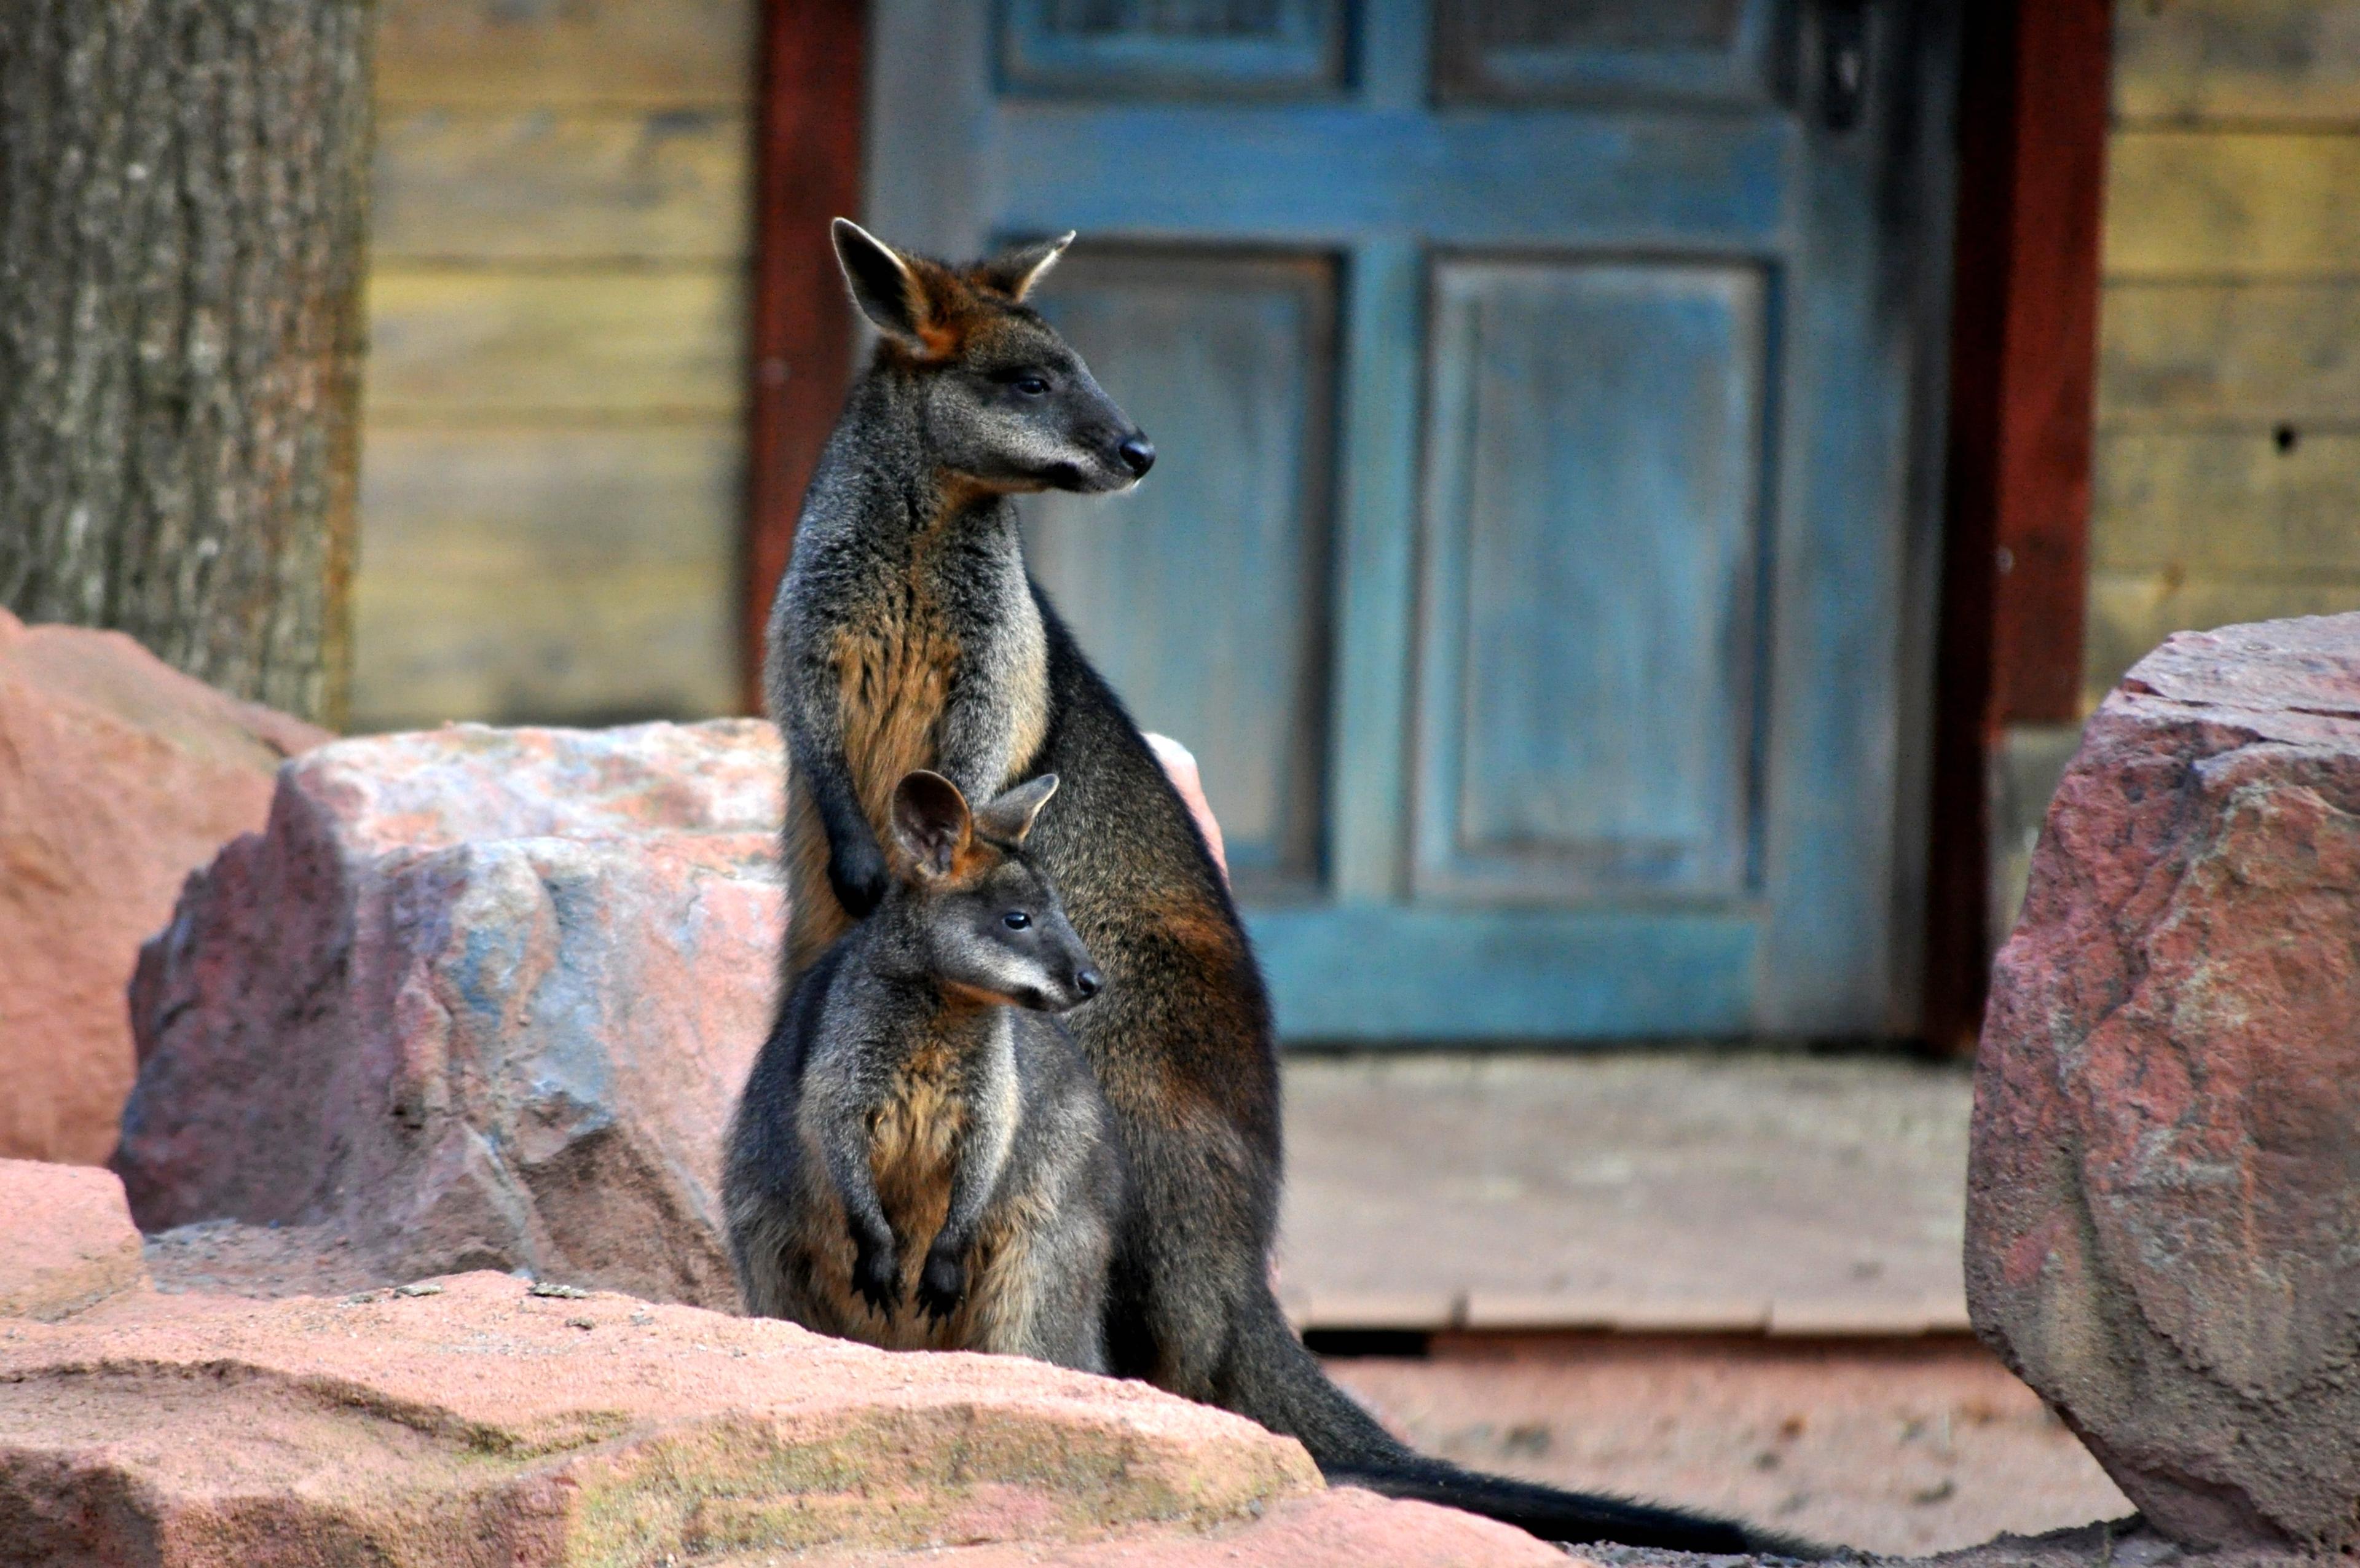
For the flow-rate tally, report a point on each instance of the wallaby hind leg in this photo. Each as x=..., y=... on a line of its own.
x=771, y=1274
x=1191, y=1259
x=1042, y=1291
x=1069, y=1318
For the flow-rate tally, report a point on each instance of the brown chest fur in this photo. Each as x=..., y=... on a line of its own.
x=895, y=668
x=912, y=1143
x=894, y=671
x=893, y=676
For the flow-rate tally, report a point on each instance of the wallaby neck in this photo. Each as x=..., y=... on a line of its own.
x=881, y=460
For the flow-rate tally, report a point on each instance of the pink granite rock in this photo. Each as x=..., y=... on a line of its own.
x=1346, y=1527
x=479, y=1424
x=118, y=776
x=67, y=1242
x=476, y=997
x=2164, y=1198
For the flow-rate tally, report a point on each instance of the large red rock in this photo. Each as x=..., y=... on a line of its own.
x=118, y=776
x=478, y=1424
x=2164, y=1196
x=475, y=998
x=69, y=1242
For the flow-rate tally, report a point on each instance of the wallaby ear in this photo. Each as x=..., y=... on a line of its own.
x=883, y=285
x=931, y=822
x=1010, y=817
x=1015, y=272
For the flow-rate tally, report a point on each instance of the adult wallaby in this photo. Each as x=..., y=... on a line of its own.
x=907, y=635
x=918, y=1128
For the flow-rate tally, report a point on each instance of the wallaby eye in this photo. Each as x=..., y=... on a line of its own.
x=1031, y=386
x=1016, y=920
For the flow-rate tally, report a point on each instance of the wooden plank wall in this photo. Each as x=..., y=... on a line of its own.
x=552, y=461
x=2228, y=459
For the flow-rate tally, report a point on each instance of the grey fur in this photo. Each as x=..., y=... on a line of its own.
x=922, y=1158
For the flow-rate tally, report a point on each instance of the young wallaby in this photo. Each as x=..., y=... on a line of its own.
x=906, y=634
x=922, y=1158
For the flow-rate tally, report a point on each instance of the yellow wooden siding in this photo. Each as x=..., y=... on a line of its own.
x=2228, y=464
x=2229, y=353
x=552, y=460
x=2230, y=504
x=582, y=185
x=518, y=573
x=2280, y=60
x=2232, y=203
x=566, y=53
x=578, y=342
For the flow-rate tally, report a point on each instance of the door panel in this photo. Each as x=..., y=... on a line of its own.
x=1226, y=360
x=1587, y=706
x=1559, y=51
x=1244, y=174
x=1528, y=558
x=1185, y=48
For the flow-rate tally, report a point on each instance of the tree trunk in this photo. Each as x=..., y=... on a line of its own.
x=183, y=199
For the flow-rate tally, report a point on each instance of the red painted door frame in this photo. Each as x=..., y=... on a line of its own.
x=2024, y=352
x=2024, y=347
x=807, y=170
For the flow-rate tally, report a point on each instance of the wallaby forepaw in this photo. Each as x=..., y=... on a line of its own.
x=941, y=1285
x=857, y=872
x=877, y=1279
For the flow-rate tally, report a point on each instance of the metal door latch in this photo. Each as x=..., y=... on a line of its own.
x=1843, y=62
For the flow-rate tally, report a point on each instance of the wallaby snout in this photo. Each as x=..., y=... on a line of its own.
x=1074, y=978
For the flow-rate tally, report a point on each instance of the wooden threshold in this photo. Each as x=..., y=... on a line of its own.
x=1489, y=1313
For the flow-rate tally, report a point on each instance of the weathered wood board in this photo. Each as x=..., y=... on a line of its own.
x=567, y=496
x=550, y=462
x=658, y=53
x=580, y=185
x=2228, y=472
x=2211, y=203
x=2216, y=353
x=566, y=574
x=2287, y=61
x=2233, y=504
x=583, y=344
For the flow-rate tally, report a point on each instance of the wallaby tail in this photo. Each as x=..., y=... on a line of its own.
x=1573, y=1518
x=1277, y=1382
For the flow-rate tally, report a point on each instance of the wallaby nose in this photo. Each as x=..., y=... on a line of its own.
x=1138, y=454
x=1088, y=983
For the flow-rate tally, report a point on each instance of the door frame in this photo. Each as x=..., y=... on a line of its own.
x=2033, y=114
x=2014, y=466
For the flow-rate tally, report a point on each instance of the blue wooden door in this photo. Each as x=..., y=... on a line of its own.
x=1533, y=556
